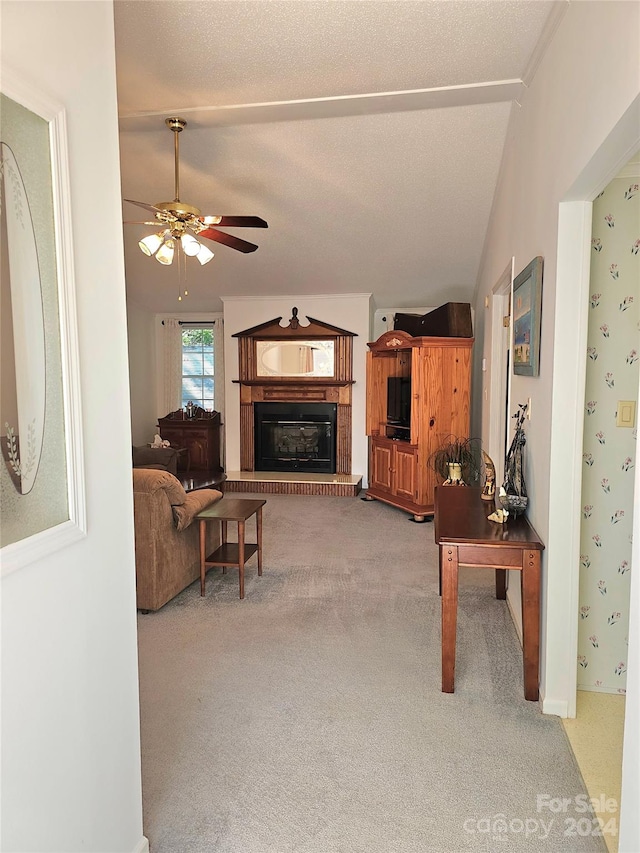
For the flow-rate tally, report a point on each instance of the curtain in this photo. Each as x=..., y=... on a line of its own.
x=218, y=368
x=218, y=362
x=172, y=379
x=306, y=359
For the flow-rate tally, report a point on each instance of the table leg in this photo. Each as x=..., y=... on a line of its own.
x=259, y=538
x=501, y=584
x=449, y=562
x=203, y=555
x=223, y=539
x=530, y=591
x=241, y=556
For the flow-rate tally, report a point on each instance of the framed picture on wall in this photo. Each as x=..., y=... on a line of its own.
x=527, y=307
x=41, y=459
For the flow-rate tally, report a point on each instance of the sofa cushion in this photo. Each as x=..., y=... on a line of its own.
x=195, y=502
x=151, y=480
x=165, y=458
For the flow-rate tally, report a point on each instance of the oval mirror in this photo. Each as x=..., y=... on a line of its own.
x=22, y=402
x=295, y=358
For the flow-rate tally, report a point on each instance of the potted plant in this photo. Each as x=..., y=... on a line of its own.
x=458, y=461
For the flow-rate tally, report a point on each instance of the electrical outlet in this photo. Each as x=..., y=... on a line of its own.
x=529, y=409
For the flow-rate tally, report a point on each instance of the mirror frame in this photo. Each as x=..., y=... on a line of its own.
x=32, y=547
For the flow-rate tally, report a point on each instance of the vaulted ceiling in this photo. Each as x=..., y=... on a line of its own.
x=369, y=135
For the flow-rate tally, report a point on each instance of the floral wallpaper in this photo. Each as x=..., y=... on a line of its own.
x=609, y=451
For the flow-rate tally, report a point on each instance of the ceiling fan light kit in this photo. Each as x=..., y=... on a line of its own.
x=204, y=254
x=165, y=252
x=150, y=245
x=190, y=245
x=178, y=219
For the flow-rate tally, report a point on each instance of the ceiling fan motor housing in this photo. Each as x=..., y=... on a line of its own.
x=178, y=208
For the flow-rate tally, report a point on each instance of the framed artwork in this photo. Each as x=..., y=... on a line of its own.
x=41, y=470
x=527, y=307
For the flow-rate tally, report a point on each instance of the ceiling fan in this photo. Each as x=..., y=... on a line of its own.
x=180, y=221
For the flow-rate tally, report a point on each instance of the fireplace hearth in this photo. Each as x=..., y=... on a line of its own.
x=295, y=437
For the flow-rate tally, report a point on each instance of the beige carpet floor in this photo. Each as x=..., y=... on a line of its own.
x=308, y=718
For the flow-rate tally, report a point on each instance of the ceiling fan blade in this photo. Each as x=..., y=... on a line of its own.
x=145, y=205
x=242, y=222
x=227, y=240
x=136, y=222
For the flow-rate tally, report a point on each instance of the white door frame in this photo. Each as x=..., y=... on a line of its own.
x=500, y=380
x=569, y=378
x=563, y=545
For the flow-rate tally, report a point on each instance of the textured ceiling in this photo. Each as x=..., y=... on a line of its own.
x=322, y=118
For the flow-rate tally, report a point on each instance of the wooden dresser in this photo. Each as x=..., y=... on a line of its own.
x=200, y=436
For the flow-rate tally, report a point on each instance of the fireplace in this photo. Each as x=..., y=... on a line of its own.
x=295, y=437
x=295, y=397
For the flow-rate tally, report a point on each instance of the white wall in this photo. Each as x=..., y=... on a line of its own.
x=566, y=114
x=142, y=373
x=70, y=730
x=351, y=312
x=383, y=318
x=575, y=128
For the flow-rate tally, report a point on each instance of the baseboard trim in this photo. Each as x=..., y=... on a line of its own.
x=142, y=846
x=554, y=707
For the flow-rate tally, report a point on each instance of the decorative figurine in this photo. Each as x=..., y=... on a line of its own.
x=515, y=498
x=489, y=487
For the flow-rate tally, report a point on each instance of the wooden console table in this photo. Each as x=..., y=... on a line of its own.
x=467, y=538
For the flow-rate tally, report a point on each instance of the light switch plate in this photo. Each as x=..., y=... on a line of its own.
x=626, y=414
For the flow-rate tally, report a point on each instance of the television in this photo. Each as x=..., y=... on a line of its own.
x=399, y=400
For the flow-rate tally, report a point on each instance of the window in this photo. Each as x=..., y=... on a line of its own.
x=197, y=366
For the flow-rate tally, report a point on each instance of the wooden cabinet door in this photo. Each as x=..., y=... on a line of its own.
x=197, y=443
x=405, y=471
x=175, y=435
x=381, y=466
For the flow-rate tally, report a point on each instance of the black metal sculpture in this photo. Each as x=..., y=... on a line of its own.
x=515, y=499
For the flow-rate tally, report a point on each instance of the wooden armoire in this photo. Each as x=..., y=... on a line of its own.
x=418, y=393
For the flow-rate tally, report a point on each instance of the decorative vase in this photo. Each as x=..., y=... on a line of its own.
x=455, y=474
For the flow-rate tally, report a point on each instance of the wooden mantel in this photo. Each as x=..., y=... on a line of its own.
x=256, y=388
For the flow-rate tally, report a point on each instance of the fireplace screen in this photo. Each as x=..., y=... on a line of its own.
x=295, y=437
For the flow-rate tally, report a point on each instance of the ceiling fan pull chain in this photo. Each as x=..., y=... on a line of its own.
x=184, y=270
x=182, y=273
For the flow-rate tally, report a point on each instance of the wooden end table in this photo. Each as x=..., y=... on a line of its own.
x=466, y=537
x=230, y=553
